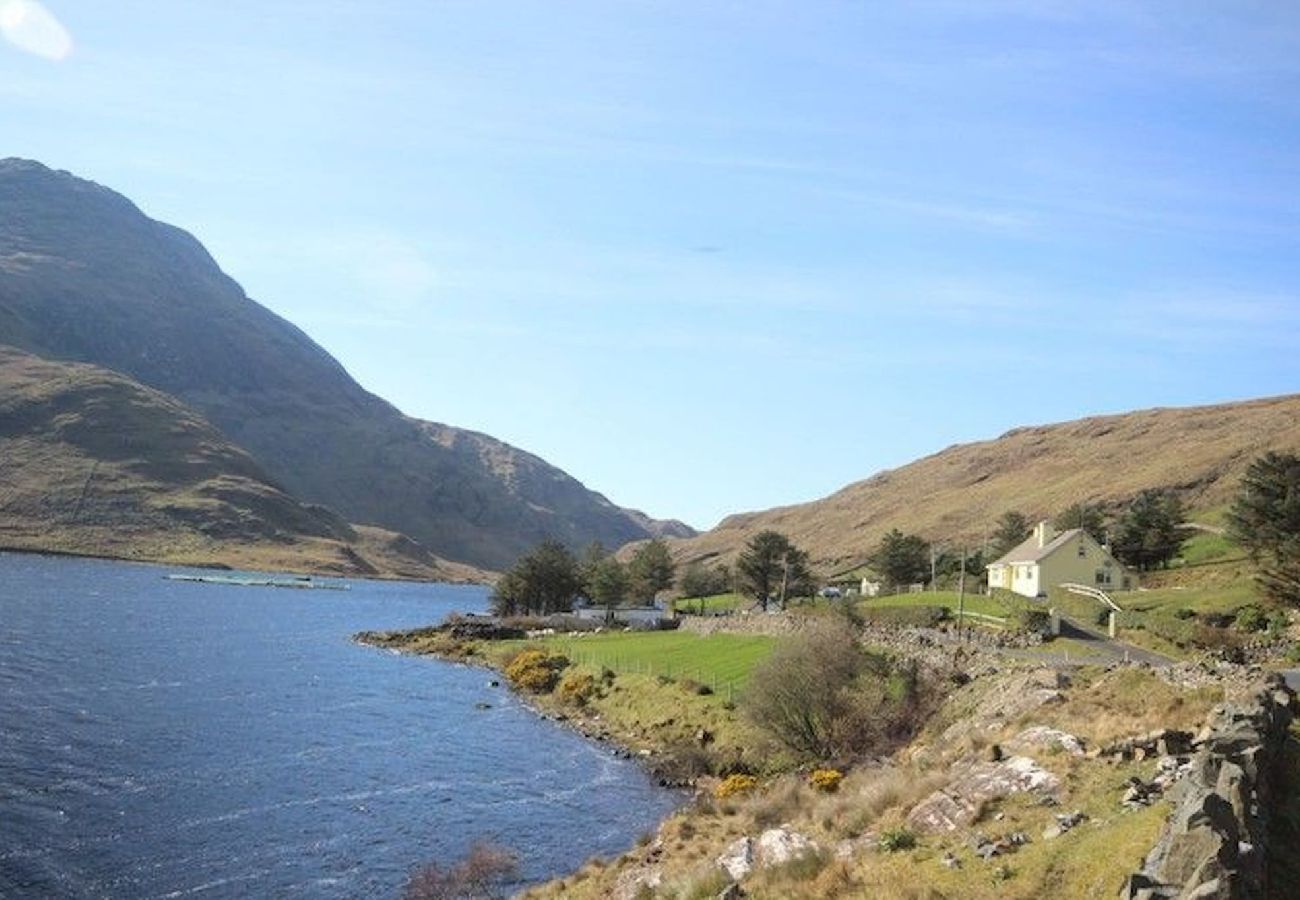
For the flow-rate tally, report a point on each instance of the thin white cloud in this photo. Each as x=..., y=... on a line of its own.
x=31, y=27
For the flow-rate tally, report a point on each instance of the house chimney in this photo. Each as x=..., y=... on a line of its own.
x=1043, y=534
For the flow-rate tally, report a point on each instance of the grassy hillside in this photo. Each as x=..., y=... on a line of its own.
x=957, y=494
x=85, y=276
x=98, y=464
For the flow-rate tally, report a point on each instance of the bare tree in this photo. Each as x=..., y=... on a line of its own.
x=484, y=874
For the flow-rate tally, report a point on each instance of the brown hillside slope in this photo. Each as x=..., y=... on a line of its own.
x=86, y=276
x=94, y=463
x=958, y=494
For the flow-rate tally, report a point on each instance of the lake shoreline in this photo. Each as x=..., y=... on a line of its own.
x=545, y=706
x=178, y=710
x=221, y=565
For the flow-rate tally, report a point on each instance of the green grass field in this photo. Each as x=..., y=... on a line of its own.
x=720, y=660
x=1205, y=547
x=974, y=603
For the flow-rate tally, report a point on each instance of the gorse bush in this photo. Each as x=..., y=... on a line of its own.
x=576, y=688
x=535, y=671
x=827, y=780
x=735, y=785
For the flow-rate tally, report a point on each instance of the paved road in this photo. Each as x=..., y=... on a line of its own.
x=1117, y=650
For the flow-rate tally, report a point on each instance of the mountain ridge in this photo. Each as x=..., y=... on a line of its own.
x=86, y=276
x=956, y=494
x=98, y=464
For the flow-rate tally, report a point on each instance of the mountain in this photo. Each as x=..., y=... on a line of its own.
x=85, y=276
x=98, y=464
x=957, y=494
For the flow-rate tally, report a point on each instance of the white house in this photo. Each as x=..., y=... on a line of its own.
x=1047, y=559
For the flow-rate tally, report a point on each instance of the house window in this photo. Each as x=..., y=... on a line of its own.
x=1083, y=551
x=1103, y=576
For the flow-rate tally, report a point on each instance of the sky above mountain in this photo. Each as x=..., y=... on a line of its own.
x=709, y=257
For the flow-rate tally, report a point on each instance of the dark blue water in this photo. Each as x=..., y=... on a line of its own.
x=170, y=739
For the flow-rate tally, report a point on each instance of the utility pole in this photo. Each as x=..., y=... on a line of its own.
x=961, y=597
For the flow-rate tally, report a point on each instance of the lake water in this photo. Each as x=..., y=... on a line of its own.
x=170, y=739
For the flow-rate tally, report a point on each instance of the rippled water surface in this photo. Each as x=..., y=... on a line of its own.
x=170, y=739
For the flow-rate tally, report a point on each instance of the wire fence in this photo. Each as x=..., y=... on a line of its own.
x=721, y=685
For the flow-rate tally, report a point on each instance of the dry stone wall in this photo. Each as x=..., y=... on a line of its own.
x=1215, y=845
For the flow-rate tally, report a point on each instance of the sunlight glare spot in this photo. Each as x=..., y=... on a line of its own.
x=31, y=27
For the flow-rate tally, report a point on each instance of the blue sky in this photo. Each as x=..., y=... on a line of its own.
x=711, y=257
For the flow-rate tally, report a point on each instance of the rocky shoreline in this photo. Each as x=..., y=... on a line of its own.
x=592, y=727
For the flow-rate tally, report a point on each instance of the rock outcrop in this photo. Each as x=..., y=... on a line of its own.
x=958, y=804
x=774, y=847
x=1216, y=843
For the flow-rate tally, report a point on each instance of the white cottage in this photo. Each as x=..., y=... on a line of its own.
x=1047, y=559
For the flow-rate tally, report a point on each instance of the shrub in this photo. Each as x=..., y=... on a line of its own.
x=535, y=671
x=1032, y=621
x=821, y=697
x=577, y=688
x=691, y=686
x=735, y=785
x=1251, y=618
x=1218, y=639
x=485, y=872
x=683, y=760
x=826, y=780
x=1278, y=623
x=897, y=839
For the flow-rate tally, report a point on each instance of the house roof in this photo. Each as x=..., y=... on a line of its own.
x=1028, y=551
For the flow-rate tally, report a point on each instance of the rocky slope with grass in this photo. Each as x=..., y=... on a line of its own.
x=1025, y=782
x=86, y=276
x=957, y=494
x=97, y=464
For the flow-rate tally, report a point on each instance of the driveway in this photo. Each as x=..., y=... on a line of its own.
x=1117, y=651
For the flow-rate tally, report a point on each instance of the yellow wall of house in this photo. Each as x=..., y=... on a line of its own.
x=1066, y=565
x=1078, y=562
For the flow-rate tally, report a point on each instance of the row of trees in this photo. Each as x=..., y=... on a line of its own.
x=1147, y=534
x=549, y=578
